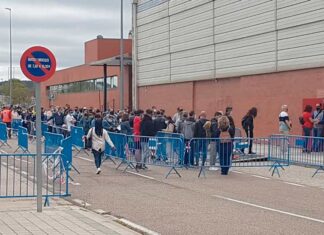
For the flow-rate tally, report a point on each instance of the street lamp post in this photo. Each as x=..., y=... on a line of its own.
x=10, y=78
x=121, y=56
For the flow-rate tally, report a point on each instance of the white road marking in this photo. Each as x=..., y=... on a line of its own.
x=24, y=172
x=298, y=185
x=238, y=172
x=144, y=176
x=74, y=183
x=261, y=177
x=86, y=159
x=270, y=209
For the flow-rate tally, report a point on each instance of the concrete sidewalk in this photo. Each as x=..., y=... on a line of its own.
x=19, y=216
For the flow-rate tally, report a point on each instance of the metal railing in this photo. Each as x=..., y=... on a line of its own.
x=18, y=176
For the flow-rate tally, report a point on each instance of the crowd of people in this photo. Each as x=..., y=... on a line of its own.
x=139, y=123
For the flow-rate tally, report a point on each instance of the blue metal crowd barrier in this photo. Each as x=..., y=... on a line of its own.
x=3, y=135
x=119, y=141
x=15, y=124
x=223, y=153
x=66, y=145
x=52, y=142
x=304, y=150
x=77, y=134
x=139, y=151
x=19, y=179
x=22, y=140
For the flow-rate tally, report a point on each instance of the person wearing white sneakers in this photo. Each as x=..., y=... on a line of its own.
x=99, y=137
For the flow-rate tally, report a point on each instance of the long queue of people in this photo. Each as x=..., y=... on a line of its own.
x=148, y=123
x=138, y=123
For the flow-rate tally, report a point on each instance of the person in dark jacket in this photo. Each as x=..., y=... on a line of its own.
x=58, y=118
x=159, y=122
x=124, y=125
x=248, y=126
x=147, y=130
x=200, y=145
x=225, y=133
x=214, y=142
x=187, y=128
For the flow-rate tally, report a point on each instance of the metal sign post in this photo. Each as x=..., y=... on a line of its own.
x=38, y=64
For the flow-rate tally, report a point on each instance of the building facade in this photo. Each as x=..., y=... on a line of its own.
x=209, y=54
x=83, y=85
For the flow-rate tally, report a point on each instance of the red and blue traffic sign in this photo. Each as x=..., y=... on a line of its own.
x=38, y=64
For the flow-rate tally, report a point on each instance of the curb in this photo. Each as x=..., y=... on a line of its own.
x=138, y=228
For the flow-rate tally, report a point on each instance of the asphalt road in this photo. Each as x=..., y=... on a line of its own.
x=235, y=204
x=240, y=203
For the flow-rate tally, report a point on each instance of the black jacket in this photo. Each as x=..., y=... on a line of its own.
x=249, y=123
x=147, y=126
x=159, y=123
x=214, y=127
x=200, y=132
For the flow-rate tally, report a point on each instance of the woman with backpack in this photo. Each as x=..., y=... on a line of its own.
x=171, y=128
x=225, y=134
x=248, y=126
x=99, y=137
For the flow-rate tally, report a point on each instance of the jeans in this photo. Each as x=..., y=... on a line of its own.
x=317, y=143
x=97, y=156
x=58, y=129
x=249, y=134
x=307, y=132
x=213, y=152
x=225, y=151
x=189, y=153
x=145, y=151
x=200, y=148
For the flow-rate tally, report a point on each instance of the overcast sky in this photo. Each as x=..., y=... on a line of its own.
x=60, y=25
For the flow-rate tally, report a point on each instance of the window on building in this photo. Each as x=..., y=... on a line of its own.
x=85, y=86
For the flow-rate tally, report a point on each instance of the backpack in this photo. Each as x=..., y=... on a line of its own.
x=188, y=130
x=244, y=122
x=301, y=120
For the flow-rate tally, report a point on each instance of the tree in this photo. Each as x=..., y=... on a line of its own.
x=20, y=93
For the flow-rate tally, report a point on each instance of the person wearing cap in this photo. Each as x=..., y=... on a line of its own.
x=318, y=117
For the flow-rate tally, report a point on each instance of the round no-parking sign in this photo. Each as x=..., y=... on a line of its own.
x=38, y=63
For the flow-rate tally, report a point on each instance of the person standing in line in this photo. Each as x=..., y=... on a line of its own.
x=318, y=116
x=225, y=133
x=307, y=126
x=7, y=119
x=124, y=125
x=147, y=130
x=137, y=139
x=201, y=144
x=284, y=127
x=99, y=137
x=69, y=121
x=285, y=124
x=187, y=128
x=248, y=126
x=214, y=141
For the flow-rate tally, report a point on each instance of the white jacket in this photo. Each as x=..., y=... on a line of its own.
x=98, y=143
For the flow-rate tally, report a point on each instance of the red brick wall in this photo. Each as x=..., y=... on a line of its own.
x=267, y=92
x=99, y=49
